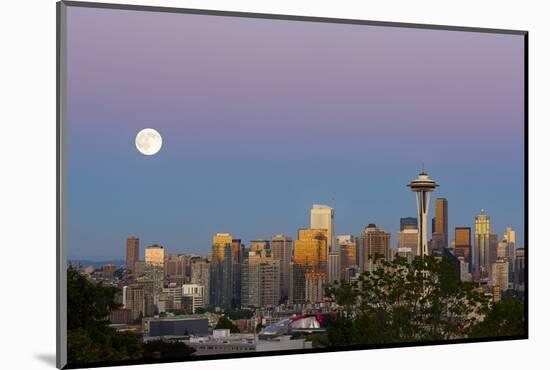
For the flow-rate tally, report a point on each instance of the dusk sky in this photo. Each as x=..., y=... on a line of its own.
x=262, y=118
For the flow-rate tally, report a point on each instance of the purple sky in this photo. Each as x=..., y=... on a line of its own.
x=261, y=118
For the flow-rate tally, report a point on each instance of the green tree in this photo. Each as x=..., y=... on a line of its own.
x=504, y=318
x=226, y=323
x=401, y=302
x=237, y=314
x=89, y=338
x=160, y=349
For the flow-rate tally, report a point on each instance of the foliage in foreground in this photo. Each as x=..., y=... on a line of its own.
x=225, y=323
x=402, y=302
x=89, y=336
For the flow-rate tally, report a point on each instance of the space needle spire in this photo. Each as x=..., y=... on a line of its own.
x=422, y=186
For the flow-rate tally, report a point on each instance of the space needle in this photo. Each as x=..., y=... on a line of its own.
x=422, y=186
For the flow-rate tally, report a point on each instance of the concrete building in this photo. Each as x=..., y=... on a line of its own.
x=244, y=343
x=281, y=250
x=348, y=255
x=374, y=242
x=260, y=280
x=193, y=296
x=134, y=300
x=200, y=275
x=314, y=282
x=175, y=326
x=499, y=273
x=333, y=268
x=132, y=252
x=408, y=238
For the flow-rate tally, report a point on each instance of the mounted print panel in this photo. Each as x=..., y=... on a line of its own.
x=235, y=185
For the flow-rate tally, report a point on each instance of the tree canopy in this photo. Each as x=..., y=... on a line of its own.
x=424, y=300
x=89, y=336
x=226, y=323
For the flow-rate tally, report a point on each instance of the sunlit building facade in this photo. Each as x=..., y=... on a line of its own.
x=441, y=224
x=310, y=255
x=322, y=217
x=463, y=245
x=482, y=255
x=373, y=243
x=221, y=272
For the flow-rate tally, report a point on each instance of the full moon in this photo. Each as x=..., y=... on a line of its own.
x=148, y=141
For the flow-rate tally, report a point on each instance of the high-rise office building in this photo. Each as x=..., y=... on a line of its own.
x=281, y=250
x=374, y=242
x=463, y=244
x=259, y=244
x=154, y=255
x=270, y=287
x=519, y=270
x=170, y=298
x=442, y=221
x=314, y=286
x=493, y=247
x=193, y=296
x=200, y=275
x=333, y=267
x=310, y=249
x=422, y=187
x=175, y=268
x=154, y=269
x=134, y=300
x=108, y=271
x=260, y=280
x=408, y=238
x=510, y=235
x=237, y=251
x=322, y=217
x=482, y=257
x=499, y=272
x=406, y=253
x=221, y=272
x=408, y=222
x=348, y=255
x=132, y=252
x=502, y=249
x=310, y=255
x=510, y=238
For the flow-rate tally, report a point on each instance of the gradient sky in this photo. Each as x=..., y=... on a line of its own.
x=262, y=118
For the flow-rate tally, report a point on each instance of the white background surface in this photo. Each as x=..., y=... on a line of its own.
x=27, y=182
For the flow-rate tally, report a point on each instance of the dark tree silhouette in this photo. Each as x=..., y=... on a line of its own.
x=403, y=302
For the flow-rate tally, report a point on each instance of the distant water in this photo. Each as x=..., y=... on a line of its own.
x=95, y=263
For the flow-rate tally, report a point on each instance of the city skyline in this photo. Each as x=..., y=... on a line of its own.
x=250, y=143
x=142, y=240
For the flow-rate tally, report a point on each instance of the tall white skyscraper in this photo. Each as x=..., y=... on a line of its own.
x=322, y=217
